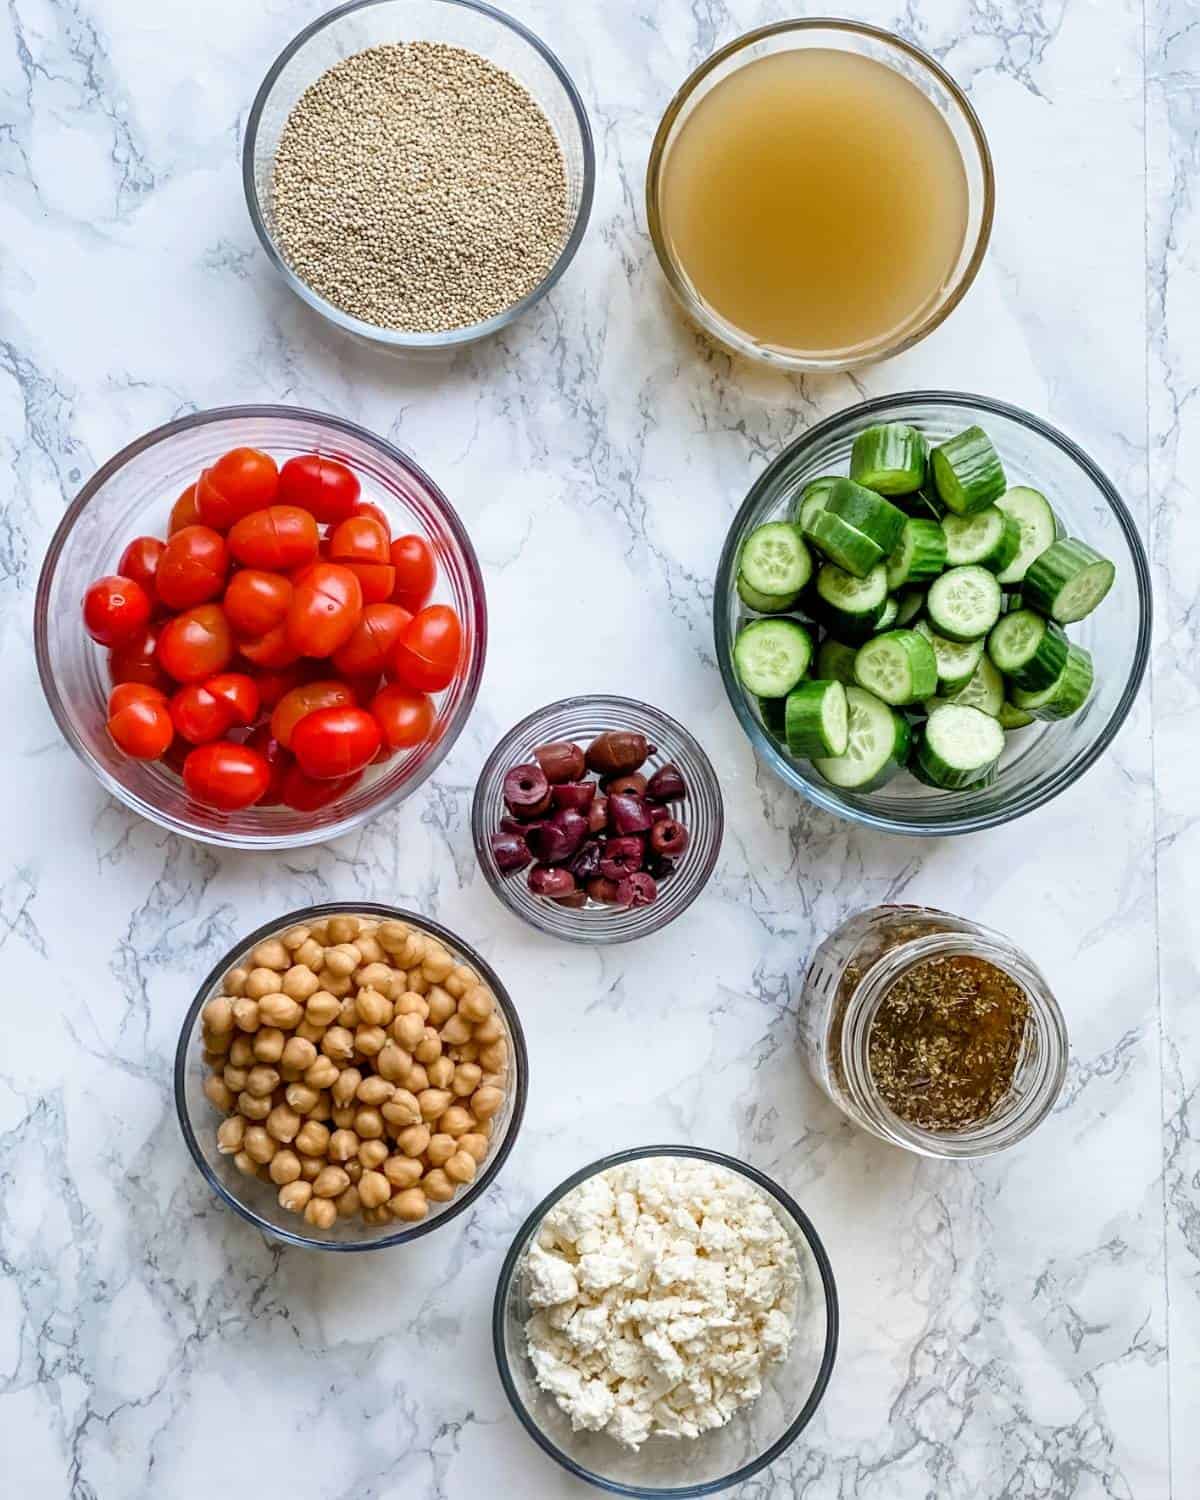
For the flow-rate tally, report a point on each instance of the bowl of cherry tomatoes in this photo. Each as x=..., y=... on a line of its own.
x=260, y=626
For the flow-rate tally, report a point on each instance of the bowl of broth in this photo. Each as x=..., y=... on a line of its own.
x=820, y=194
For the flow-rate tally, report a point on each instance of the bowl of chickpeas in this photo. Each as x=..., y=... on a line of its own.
x=351, y=1076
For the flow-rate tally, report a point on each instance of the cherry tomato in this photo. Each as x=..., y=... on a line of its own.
x=185, y=511
x=364, y=688
x=276, y=757
x=226, y=776
x=360, y=539
x=133, y=692
x=238, y=692
x=273, y=651
x=365, y=508
x=306, y=794
x=280, y=537
x=193, y=569
x=377, y=580
x=256, y=601
x=140, y=560
x=321, y=485
x=304, y=700
x=115, y=609
x=416, y=571
x=374, y=640
x=335, y=742
x=195, y=644
x=325, y=608
x=429, y=651
x=198, y=715
x=405, y=718
x=135, y=660
x=273, y=684
x=140, y=725
x=241, y=481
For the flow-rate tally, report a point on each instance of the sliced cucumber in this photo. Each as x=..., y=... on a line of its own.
x=898, y=667
x=959, y=746
x=1038, y=526
x=990, y=538
x=851, y=607
x=957, y=661
x=890, y=610
x=764, y=604
x=1067, y=581
x=843, y=544
x=1029, y=649
x=813, y=497
x=771, y=656
x=1066, y=695
x=879, y=741
x=866, y=512
x=1011, y=717
x=774, y=717
x=985, y=691
x=817, y=720
x=889, y=459
x=920, y=553
x=775, y=560
x=968, y=472
x=835, y=661
x=964, y=603
x=909, y=605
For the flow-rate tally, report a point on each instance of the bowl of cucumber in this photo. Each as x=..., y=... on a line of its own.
x=932, y=613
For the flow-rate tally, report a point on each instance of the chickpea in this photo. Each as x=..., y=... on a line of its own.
x=261, y=1081
x=241, y=1052
x=284, y=1168
x=348, y=1015
x=372, y=1154
x=376, y=1216
x=485, y=1102
x=393, y=1062
x=461, y=1167
x=218, y=1094
x=271, y=954
x=299, y=1053
x=434, y=1102
x=414, y=1141
x=235, y=1078
x=246, y=1164
x=268, y=1043
x=323, y=1108
x=416, y=983
x=468, y=1053
x=258, y=1145
x=370, y=1040
x=392, y=934
x=374, y=1189
x=441, y=1073
x=343, y=928
x=410, y=1205
x=441, y=1148
x=408, y=1029
x=215, y=1047
x=401, y=1109
x=369, y=1124
x=474, y=1145
x=441, y=1006
x=260, y=982
x=489, y=1031
x=348, y=1203
x=334, y=984
x=312, y=1139
x=311, y=954
x=456, y=1121
x=476, y=1005
x=417, y=1079
x=218, y=1015
x=343, y=1144
x=300, y=982
x=295, y=937
x=437, y=1186
x=279, y=1010
x=320, y=1213
x=412, y=954
x=283, y=1122
x=494, y=1058
x=343, y=1116
x=230, y=1135
x=322, y=1008
x=302, y=1097
x=320, y=929
x=294, y=1196
x=331, y=1182
x=253, y=1106
x=376, y=980
x=342, y=960
x=338, y=1043
x=353, y=1170
x=374, y=1091
x=429, y=1048
x=403, y=1171
x=460, y=980
x=466, y=1079
x=437, y=964
x=234, y=982
x=245, y=1014
x=345, y=1086
x=311, y=1167
x=456, y=1032
x=322, y=1074
x=307, y=1032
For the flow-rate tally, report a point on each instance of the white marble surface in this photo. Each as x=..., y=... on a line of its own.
x=1024, y=1328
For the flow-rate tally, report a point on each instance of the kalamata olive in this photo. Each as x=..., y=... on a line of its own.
x=627, y=813
x=597, y=815
x=576, y=901
x=560, y=761
x=575, y=794
x=510, y=852
x=526, y=791
x=548, y=843
x=586, y=861
x=544, y=881
x=634, y=782
x=600, y=889
x=666, y=785
x=657, y=812
x=659, y=865
x=637, y=890
x=573, y=827
x=621, y=857
x=616, y=752
x=669, y=837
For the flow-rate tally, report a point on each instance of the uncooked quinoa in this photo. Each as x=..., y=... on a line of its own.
x=417, y=186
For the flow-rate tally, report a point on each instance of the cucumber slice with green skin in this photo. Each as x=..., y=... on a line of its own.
x=959, y=746
x=878, y=746
x=835, y=661
x=775, y=560
x=1066, y=695
x=851, y=607
x=1010, y=717
x=1067, y=581
x=957, y=661
x=890, y=610
x=867, y=512
x=1038, y=525
x=774, y=717
x=909, y=605
x=898, y=667
x=1029, y=649
x=889, y=459
x=964, y=603
x=989, y=537
x=844, y=544
x=813, y=497
x=985, y=691
x=771, y=656
x=967, y=472
x=817, y=720
x=920, y=554
x=922, y=504
x=764, y=604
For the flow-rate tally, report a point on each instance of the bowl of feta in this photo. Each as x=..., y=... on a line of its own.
x=666, y=1322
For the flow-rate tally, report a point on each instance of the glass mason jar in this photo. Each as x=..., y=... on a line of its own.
x=848, y=977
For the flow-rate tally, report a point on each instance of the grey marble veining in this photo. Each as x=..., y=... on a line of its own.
x=1027, y=1327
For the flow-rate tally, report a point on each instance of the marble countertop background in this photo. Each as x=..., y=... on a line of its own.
x=1027, y=1327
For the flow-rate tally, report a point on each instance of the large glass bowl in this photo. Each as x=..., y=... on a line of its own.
x=756, y=1435
x=1039, y=761
x=462, y=23
x=256, y=1201
x=132, y=494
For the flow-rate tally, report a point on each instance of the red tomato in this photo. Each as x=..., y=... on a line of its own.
x=325, y=608
x=405, y=718
x=256, y=601
x=139, y=561
x=280, y=537
x=306, y=794
x=374, y=640
x=115, y=609
x=141, y=725
x=360, y=539
x=125, y=693
x=238, y=692
x=276, y=757
x=335, y=742
x=185, y=511
x=365, y=508
x=226, y=776
x=430, y=649
x=272, y=685
x=364, y=688
x=195, y=644
x=135, y=660
x=377, y=580
x=240, y=481
x=194, y=565
x=416, y=571
x=304, y=700
x=198, y=715
x=321, y=485
x=273, y=651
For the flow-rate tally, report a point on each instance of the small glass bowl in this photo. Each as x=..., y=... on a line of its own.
x=1039, y=761
x=701, y=812
x=257, y=1201
x=479, y=28
x=919, y=69
x=757, y=1434
x=131, y=495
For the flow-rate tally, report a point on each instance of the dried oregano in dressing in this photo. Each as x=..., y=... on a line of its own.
x=417, y=186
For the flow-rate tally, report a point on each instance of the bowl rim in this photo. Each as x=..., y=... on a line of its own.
x=259, y=412
x=508, y=1271
x=887, y=823
x=519, y=1071
x=720, y=328
x=480, y=833
x=399, y=339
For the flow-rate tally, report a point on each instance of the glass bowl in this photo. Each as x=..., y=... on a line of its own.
x=1039, y=761
x=919, y=69
x=256, y=1201
x=470, y=24
x=701, y=812
x=757, y=1434
x=133, y=494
